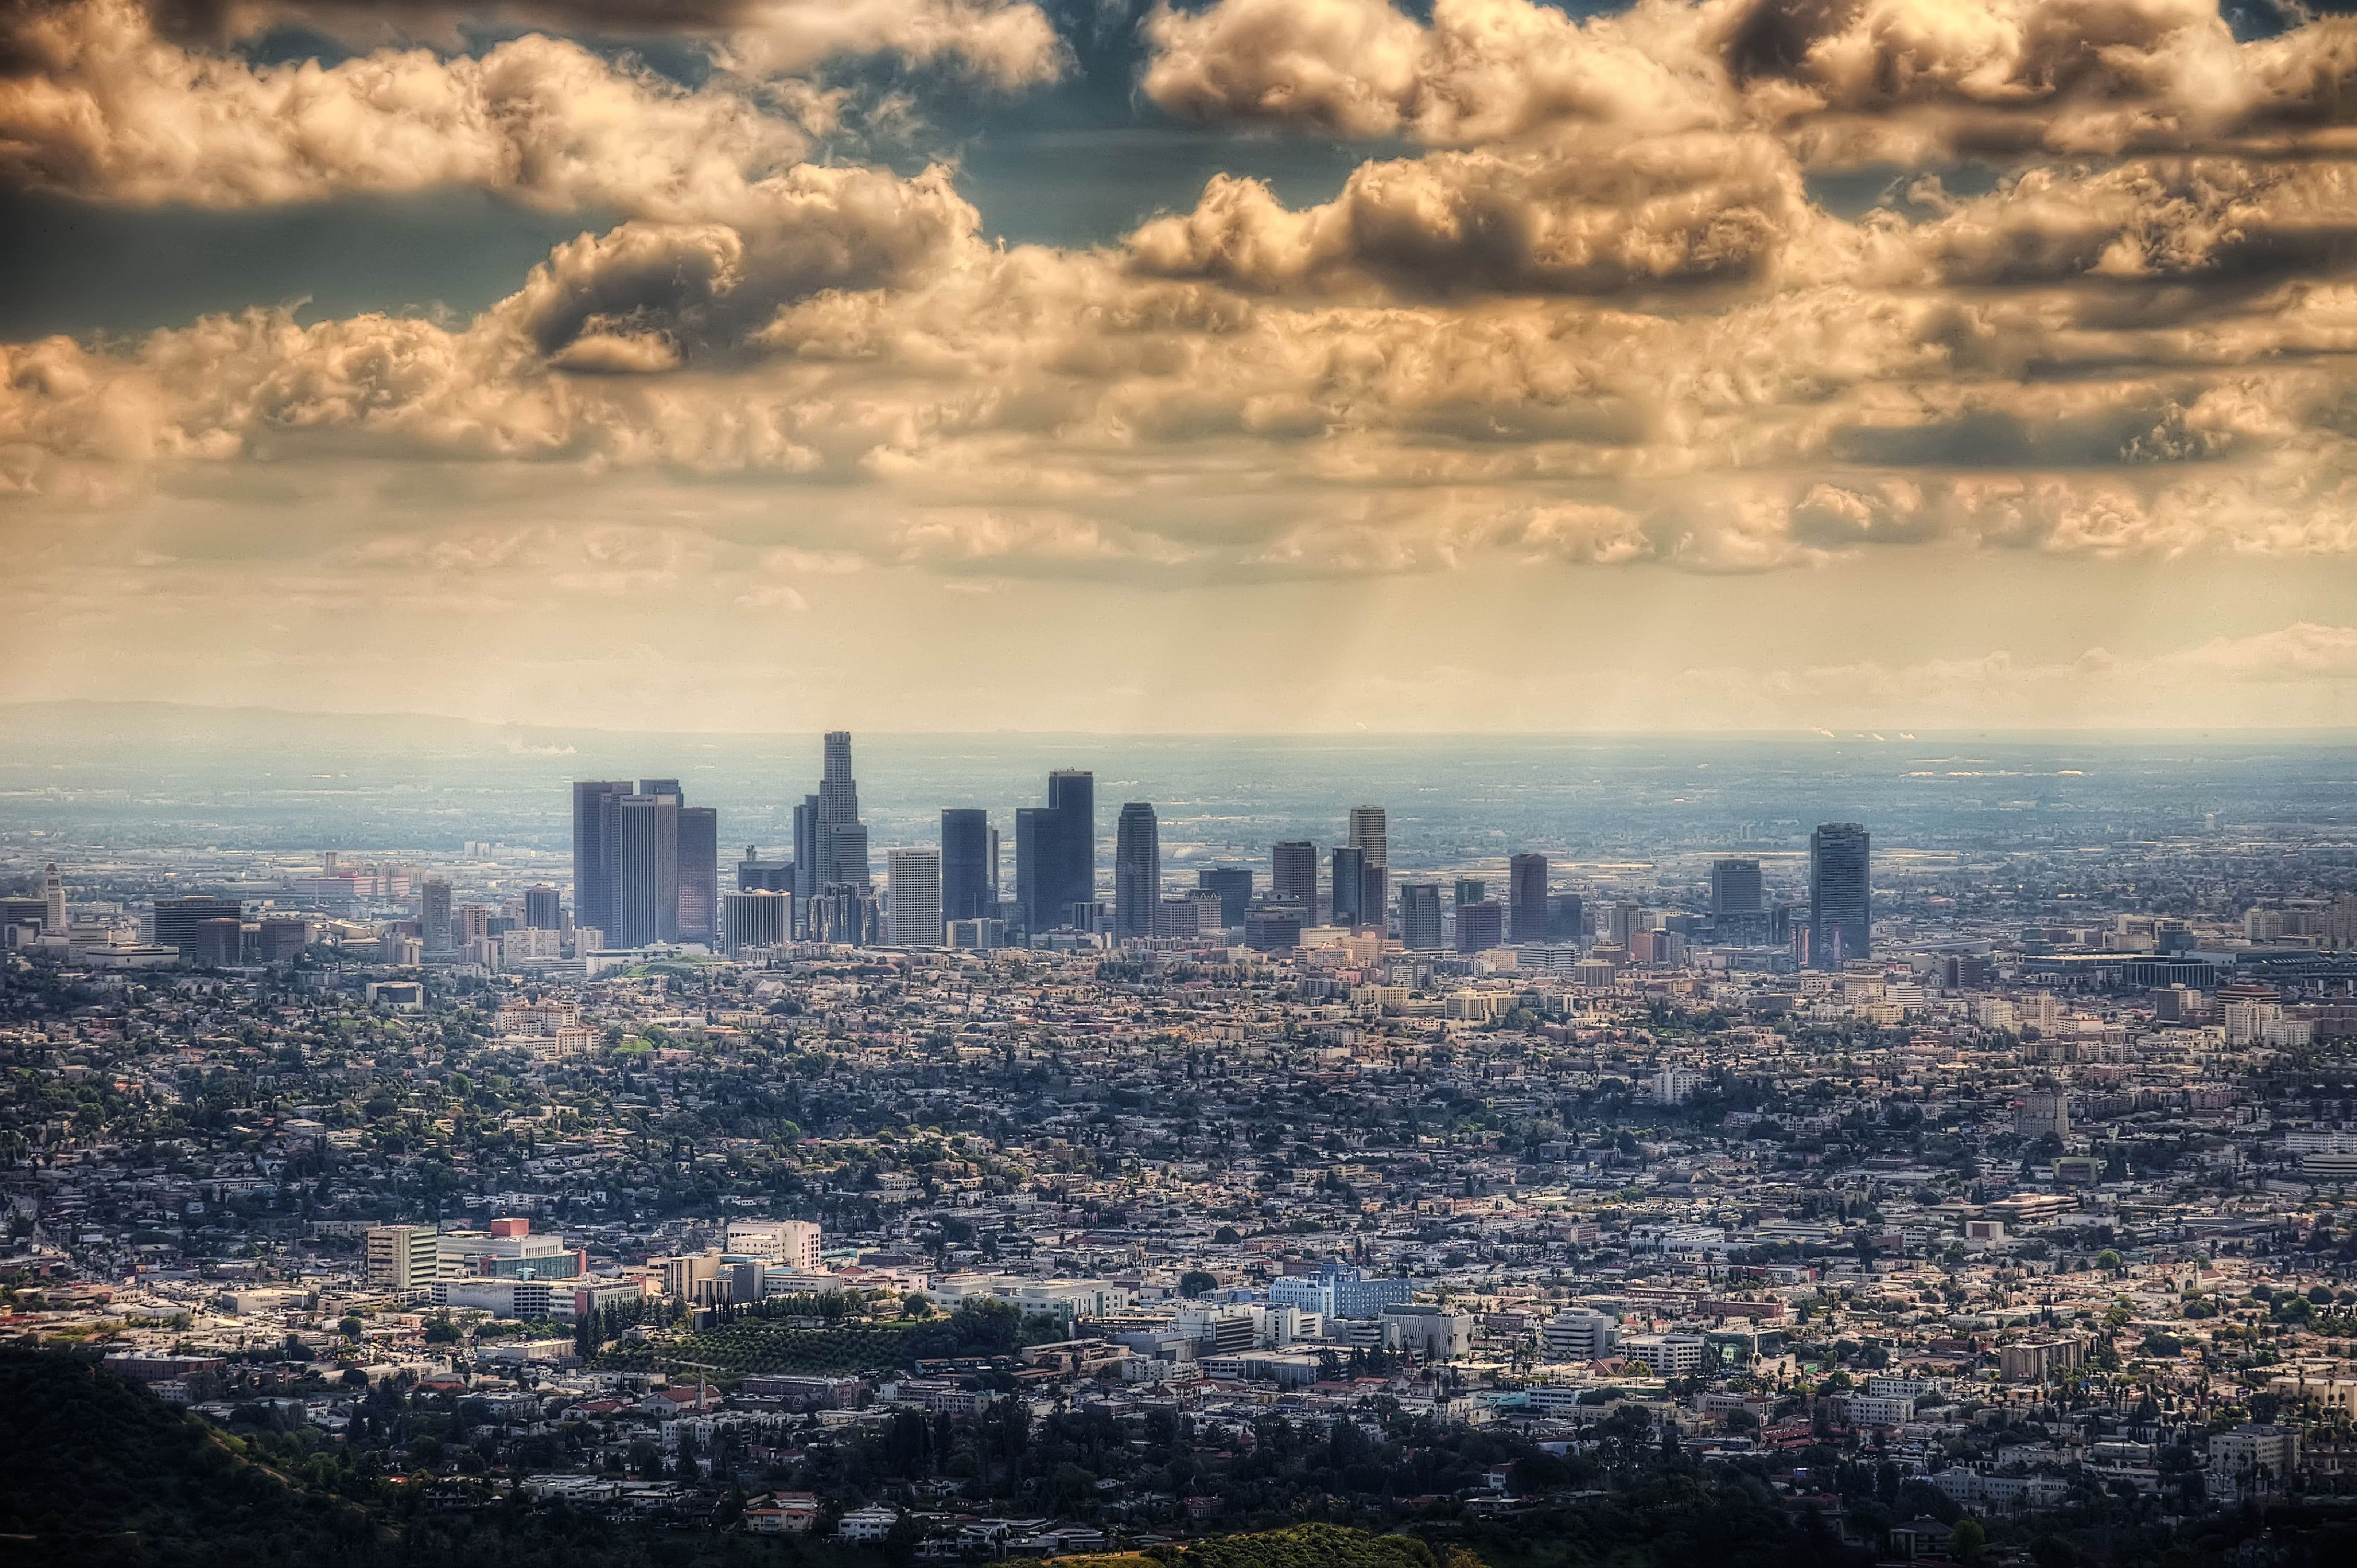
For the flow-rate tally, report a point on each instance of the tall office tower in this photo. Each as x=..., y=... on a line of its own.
x=1480, y=925
x=966, y=892
x=1623, y=921
x=1371, y=832
x=1527, y=897
x=838, y=806
x=1073, y=795
x=1735, y=890
x=996, y=895
x=1293, y=874
x=661, y=787
x=1234, y=885
x=1841, y=894
x=1035, y=828
x=1347, y=879
x=541, y=912
x=806, y=847
x=1420, y=916
x=1471, y=890
x=755, y=875
x=646, y=873
x=180, y=922
x=1374, y=885
x=761, y=917
x=699, y=875
x=433, y=915
x=1566, y=919
x=1137, y=870
x=596, y=845
x=914, y=878
x=846, y=854
x=53, y=901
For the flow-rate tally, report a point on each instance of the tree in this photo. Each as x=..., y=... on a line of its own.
x=1196, y=1284
x=1968, y=1541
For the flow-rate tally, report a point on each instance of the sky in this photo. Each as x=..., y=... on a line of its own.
x=1252, y=366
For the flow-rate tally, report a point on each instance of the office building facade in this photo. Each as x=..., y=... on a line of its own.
x=699, y=875
x=913, y=880
x=1370, y=835
x=1293, y=874
x=1233, y=884
x=190, y=925
x=968, y=890
x=1419, y=907
x=1841, y=894
x=1137, y=870
x=1527, y=897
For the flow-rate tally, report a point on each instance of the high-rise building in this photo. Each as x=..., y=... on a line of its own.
x=1419, y=904
x=1480, y=925
x=404, y=1259
x=1735, y=889
x=53, y=901
x=542, y=909
x=755, y=875
x=1293, y=874
x=1346, y=880
x=761, y=917
x=842, y=837
x=179, y=923
x=996, y=893
x=1841, y=894
x=699, y=875
x=846, y=856
x=1566, y=918
x=597, y=849
x=433, y=915
x=1470, y=890
x=661, y=787
x=1073, y=795
x=966, y=878
x=913, y=878
x=1137, y=870
x=1371, y=832
x=646, y=873
x=1055, y=852
x=806, y=867
x=1035, y=828
x=1527, y=897
x=1233, y=884
x=1374, y=884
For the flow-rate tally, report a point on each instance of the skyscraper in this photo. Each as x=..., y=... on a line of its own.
x=542, y=910
x=1841, y=894
x=840, y=837
x=913, y=877
x=1735, y=889
x=1527, y=897
x=1073, y=795
x=1348, y=882
x=596, y=848
x=646, y=873
x=1480, y=925
x=1233, y=884
x=1293, y=874
x=53, y=901
x=1420, y=916
x=698, y=916
x=756, y=917
x=1035, y=827
x=1137, y=870
x=433, y=915
x=1566, y=919
x=966, y=891
x=1471, y=890
x=806, y=847
x=184, y=922
x=1370, y=834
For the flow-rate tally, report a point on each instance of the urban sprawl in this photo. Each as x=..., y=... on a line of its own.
x=1038, y=1210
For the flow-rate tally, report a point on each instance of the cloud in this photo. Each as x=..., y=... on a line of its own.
x=100, y=106
x=1568, y=218
x=1846, y=81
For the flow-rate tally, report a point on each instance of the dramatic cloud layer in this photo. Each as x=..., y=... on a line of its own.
x=1611, y=309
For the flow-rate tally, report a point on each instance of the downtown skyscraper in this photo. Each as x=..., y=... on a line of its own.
x=1137, y=870
x=1841, y=894
x=967, y=876
x=841, y=838
x=1056, y=850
